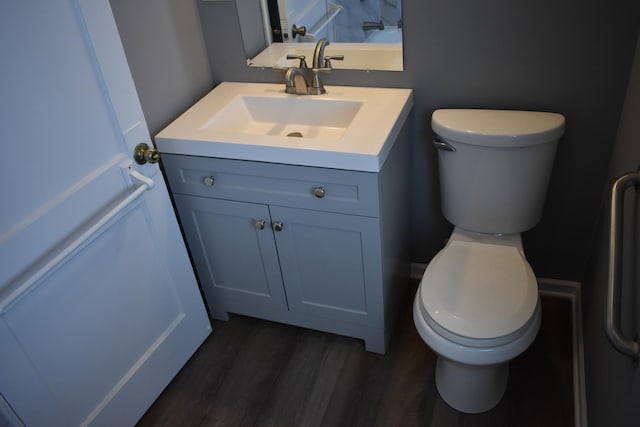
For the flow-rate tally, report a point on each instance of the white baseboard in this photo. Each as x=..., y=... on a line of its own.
x=572, y=291
x=560, y=289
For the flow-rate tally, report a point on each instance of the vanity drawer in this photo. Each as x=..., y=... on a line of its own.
x=332, y=190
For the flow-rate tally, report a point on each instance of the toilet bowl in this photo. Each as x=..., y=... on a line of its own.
x=477, y=305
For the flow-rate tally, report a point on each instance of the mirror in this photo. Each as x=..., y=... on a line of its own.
x=367, y=32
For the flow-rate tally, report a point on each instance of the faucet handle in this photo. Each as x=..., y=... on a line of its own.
x=328, y=59
x=317, y=87
x=303, y=63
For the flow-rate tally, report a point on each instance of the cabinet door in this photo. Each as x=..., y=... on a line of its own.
x=236, y=258
x=330, y=264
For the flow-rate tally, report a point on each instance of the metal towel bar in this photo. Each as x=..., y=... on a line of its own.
x=33, y=279
x=626, y=346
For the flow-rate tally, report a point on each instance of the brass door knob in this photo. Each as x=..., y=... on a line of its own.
x=298, y=31
x=144, y=154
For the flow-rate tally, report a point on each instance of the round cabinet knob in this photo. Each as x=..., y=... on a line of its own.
x=277, y=226
x=260, y=224
x=319, y=192
x=208, y=181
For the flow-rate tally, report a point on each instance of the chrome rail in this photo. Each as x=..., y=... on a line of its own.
x=27, y=284
x=627, y=346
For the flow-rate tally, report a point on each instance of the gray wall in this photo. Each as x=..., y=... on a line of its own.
x=613, y=382
x=568, y=56
x=165, y=49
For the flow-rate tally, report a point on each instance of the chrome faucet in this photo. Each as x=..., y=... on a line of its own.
x=318, y=53
x=303, y=80
x=297, y=80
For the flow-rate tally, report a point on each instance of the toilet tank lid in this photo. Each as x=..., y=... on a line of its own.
x=497, y=128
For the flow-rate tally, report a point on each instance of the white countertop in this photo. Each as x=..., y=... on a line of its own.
x=363, y=146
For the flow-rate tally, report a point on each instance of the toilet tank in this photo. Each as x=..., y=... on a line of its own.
x=495, y=166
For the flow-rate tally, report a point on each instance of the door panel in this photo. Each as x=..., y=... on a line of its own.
x=23, y=380
x=326, y=260
x=49, y=90
x=99, y=307
x=100, y=323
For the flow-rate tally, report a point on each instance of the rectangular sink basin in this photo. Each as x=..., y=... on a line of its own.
x=350, y=128
x=295, y=116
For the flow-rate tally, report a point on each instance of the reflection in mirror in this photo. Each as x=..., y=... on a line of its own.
x=367, y=32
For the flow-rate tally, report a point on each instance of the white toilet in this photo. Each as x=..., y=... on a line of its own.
x=477, y=305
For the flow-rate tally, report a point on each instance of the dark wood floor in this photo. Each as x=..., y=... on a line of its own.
x=252, y=372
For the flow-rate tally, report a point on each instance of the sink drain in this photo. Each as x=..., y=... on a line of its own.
x=295, y=134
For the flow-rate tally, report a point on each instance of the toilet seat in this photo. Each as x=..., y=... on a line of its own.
x=479, y=343
x=478, y=294
x=474, y=354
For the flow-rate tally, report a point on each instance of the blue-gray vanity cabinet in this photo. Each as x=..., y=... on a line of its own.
x=314, y=247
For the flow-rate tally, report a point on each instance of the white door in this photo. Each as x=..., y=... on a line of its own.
x=99, y=307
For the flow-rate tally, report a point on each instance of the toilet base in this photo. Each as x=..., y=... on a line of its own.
x=471, y=388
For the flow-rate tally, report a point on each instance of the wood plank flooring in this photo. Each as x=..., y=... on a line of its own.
x=252, y=372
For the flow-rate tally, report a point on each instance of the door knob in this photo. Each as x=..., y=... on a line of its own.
x=260, y=224
x=298, y=31
x=277, y=226
x=144, y=154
